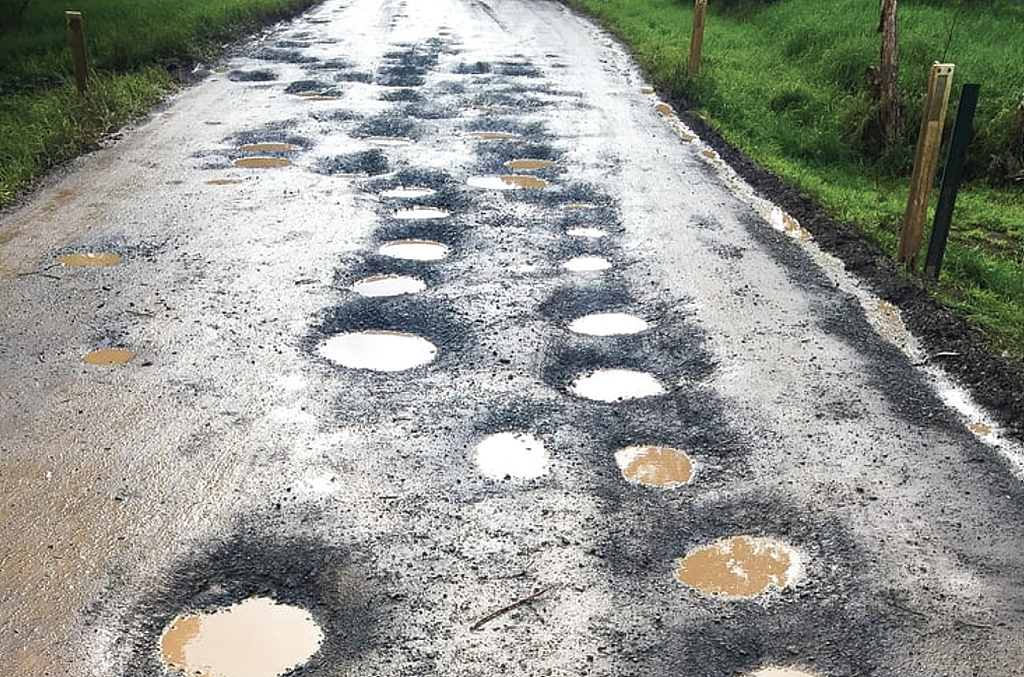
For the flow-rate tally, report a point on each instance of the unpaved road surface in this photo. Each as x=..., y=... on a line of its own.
x=399, y=496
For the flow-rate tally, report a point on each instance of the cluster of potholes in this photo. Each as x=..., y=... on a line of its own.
x=259, y=635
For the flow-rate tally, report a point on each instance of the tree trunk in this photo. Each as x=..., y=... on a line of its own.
x=887, y=71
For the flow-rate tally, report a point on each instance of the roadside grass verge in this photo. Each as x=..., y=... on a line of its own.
x=784, y=82
x=135, y=47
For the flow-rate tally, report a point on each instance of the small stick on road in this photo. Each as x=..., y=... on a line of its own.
x=505, y=609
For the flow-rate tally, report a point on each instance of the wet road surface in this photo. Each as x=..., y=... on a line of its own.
x=425, y=334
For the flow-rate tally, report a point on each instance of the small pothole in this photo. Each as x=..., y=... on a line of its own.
x=109, y=356
x=740, y=566
x=587, y=232
x=90, y=259
x=529, y=164
x=414, y=250
x=507, y=182
x=421, y=214
x=654, y=466
x=262, y=162
x=408, y=193
x=608, y=324
x=616, y=385
x=587, y=264
x=257, y=637
x=512, y=456
x=388, y=285
x=378, y=350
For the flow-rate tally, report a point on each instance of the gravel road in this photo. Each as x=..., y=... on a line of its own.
x=428, y=324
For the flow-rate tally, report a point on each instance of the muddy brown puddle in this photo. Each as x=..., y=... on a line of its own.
x=270, y=147
x=90, y=259
x=741, y=566
x=109, y=356
x=262, y=162
x=529, y=164
x=257, y=637
x=653, y=466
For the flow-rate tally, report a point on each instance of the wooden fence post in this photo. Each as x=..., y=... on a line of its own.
x=700, y=10
x=926, y=162
x=77, y=37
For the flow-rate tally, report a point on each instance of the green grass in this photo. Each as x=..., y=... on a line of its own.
x=784, y=81
x=134, y=47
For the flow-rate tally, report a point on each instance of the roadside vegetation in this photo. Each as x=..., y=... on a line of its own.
x=137, y=50
x=786, y=81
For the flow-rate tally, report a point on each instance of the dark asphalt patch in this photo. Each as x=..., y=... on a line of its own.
x=278, y=132
x=353, y=76
x=448, y=195
x=252, y=76
x=368, y=162
x=292, y=44
x=431, y=111
x=407, y=314
x=326, y=580
x=508, y=125
x=387, y=125
x=403, y=94
x=331, y=65
x=492, y=158
x=835, y=619
x=505, y=101
x=390, y=78
x=475, y=68
x=518, y=69
x=283, y=56
x=373, y=264
x=306, y=86
x=334, y=115
x=450, y=232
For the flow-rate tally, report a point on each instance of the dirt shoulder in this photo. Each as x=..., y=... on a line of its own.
x=996, y=382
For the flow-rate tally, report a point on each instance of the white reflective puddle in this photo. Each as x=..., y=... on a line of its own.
x=506, y=182
x=589, y=233
x=390, y=140
x=512, y=455
x=408, y=193
x=414, y=250
x=421, y=214
x=378, y=350
x=608, y=324
x=776, y=671
x=255, y=638
x=388, y=285
x=616, y=385
x=584, y=264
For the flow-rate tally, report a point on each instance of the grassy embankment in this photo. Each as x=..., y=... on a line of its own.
x=784, y=81
x=134, y=48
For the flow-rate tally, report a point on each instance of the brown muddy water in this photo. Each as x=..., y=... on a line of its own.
x=741, y=566
x=653, y=466
x=90, y=259
x=109, y=356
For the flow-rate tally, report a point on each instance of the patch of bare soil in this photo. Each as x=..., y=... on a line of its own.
x=995, y=381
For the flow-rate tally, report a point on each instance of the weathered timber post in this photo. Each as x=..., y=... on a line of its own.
x=951, y=178
x=700, y=11
x=925, y=162
x=77, y=37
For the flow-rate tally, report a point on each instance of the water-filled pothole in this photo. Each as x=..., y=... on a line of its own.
x=608, y=324
x=616, y=385
x=262, y=162
x=512, y=455
x=257, y=637
x=89, y=259
x=421, y=214
x=740, y=566
x=587, y=232
x=507, y=182
x=378, y=350
x=108, y=356
x=408, y=193
x=584, y=264
x=223, y=182
x=661, y=467
x=388, y=285
x=665, y=109
x=270, y=147
x=529, y=164
x=414, y=250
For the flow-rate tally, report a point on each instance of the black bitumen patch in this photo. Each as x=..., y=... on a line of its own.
x=283, y=56
x=431, y=111
x=292, y=44
x=412, y=314
x=475, y=68
x=491, y=157
x=274, y=132
x=353, y=76
x=371, y=264
x=252, y=76
x=303, y=86
x=837, y=603
x=387, y=125
x=414, y=177
x=368, y=162
x=331, y=64
x=403, y=94
x=334, y=115
x=449, y=87
x=513, y=102
x=330, y=582
x=518, y=69
x=391, y=79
